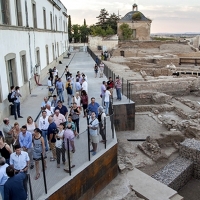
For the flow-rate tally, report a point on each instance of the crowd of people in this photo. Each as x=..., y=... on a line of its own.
x=56, y=130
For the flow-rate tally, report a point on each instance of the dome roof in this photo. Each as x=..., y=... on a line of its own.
x=129, y=15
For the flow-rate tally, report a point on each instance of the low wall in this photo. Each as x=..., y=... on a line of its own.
x=90, y=181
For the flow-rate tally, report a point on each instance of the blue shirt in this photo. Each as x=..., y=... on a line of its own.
x=59, y=85
x=93, y=108
x=14, y=188
x=63, y=109
x=50, y=130
x=3, y=175
x=25, y=140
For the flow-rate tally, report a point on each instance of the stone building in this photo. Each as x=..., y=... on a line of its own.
x=33, y=37
x=139, y=24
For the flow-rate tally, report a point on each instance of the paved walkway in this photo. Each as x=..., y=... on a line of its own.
x=80, y=61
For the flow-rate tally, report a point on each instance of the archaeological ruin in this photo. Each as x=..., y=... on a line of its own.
x=162, y=78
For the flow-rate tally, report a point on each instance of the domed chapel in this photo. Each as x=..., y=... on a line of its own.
x=139, y=24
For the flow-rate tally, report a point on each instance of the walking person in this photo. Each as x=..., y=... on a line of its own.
x=77, y=100
x=60, y=89
x=16, y=94
x=84, y=85
x=93, y=126
x=25, y=141
x=70, y=149
x=67, y=73
x=78, y=85
x=75, y=113
x=96, y=69
x=3, y=175
x=118, y=86
x=84, y=102
x=5, y=150
x=60, y=150
x=43, y=126
x=101, y=67
x=103, y=91
x=38, y=149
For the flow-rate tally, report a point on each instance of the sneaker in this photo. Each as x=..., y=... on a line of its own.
x=91, y=150
x=94, y=153
x=32, y=166
x=20, y=117
x=58, y=165
x=52, y=159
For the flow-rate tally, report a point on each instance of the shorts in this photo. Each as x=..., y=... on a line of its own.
x=94, y=139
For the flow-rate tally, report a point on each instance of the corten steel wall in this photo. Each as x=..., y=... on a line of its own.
x=124, y=116
x=91, y=180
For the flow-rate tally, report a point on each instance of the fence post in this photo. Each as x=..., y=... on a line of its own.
x=88, y=131
x=68, y=154
x=105, y=131
x=30, y=186
x=44, y=175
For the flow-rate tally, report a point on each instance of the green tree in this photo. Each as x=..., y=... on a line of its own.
x=126, y=31
x=109, y=30
x=112, y=22
x=84, y=32
x=103, y=16
x=76, y=33
x=69, y=29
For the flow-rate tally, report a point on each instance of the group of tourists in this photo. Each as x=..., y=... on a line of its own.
x=57, y=128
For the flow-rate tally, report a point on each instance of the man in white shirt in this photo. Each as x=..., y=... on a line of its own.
x=49, y=83
x=85, y=86
x=20, y=161
x=43, y=126
x=49, y=110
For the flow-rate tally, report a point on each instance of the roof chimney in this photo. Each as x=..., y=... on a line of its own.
x=135, y=7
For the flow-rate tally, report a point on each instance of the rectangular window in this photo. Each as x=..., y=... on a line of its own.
x=38, y=57
x=24, y=68
x=53, y=51
x=11, y=72
x=51, y=21
x=34, y=15
x=56, y=23
x=4, y=12
x=58, y=49
x=47, y=55
x=18, y=12
x=44, y=17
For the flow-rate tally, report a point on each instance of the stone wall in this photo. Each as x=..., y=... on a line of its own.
x=96, y=41
x=178, y=86
x=142, y=29
x=190, y=149
x=175, y=174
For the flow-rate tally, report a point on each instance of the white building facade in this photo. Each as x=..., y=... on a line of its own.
x=33, y=38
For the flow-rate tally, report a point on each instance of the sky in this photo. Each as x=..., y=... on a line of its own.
x=168, y=16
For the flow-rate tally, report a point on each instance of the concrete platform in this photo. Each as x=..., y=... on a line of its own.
x=149, y=188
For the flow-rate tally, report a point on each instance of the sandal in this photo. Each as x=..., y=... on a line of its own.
x=37, y=176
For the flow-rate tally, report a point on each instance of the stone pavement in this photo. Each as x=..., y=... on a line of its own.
x=79, y=61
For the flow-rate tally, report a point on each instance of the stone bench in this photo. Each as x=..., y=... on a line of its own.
x=175, y=174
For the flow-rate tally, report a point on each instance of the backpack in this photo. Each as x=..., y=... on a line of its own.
x=69, y=90
x=11, y=99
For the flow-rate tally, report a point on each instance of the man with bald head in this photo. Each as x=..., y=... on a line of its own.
x=48, y=110
x=58, y=117
x=51, y=135
x=44, y=103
